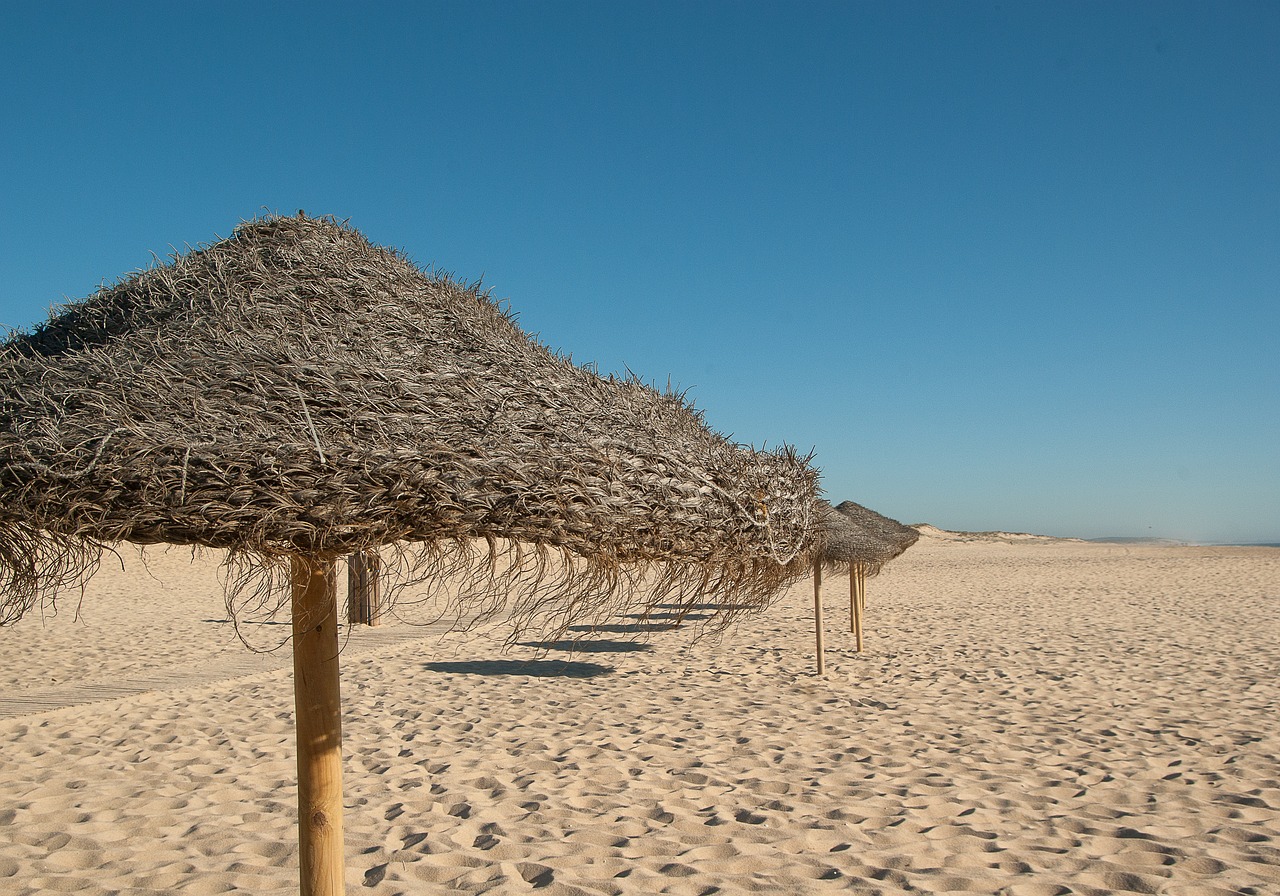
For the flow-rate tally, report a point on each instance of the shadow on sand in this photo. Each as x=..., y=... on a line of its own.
x=627, y=628
x=590, y=646
x=674, y=616
x=249, y=622
x=532, y=668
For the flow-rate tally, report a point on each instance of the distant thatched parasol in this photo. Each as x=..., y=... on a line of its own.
x=871, y=541
x=294, y=393
x=862, y=540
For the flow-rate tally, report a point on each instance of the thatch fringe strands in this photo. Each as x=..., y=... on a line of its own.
x=36, y=567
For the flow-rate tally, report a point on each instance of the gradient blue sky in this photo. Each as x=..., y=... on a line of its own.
x=1001, y=266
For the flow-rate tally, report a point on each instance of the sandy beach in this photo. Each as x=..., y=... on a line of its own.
x=1031, y=717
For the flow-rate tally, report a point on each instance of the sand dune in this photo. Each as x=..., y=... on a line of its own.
x=1031, y=717
x=928, y=531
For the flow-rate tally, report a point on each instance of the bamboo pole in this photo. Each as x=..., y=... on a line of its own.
x=318, y=717
x=817, y=615
x=364, y=589
x=857, y=598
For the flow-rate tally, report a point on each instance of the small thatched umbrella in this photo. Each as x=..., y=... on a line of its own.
x=293, y=393
x=862, y=540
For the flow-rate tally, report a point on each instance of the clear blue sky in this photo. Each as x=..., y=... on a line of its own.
x=1008, y=266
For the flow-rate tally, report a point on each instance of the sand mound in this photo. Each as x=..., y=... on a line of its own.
x=928, y=531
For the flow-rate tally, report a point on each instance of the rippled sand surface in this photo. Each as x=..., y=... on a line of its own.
x=1030, y=717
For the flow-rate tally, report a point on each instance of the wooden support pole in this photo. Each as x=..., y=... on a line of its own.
x=364, y=589
x=853, y=597
x=318, y=717
x=817, y=615
x=857, y=596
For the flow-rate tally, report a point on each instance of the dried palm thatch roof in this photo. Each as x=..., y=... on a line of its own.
x=854, y=534
x=294, y=389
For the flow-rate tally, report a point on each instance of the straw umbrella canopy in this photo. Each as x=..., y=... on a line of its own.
x=294, y=393
x=858, y=535
x=863, y=541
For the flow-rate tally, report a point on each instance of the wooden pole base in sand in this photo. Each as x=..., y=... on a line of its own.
x=364, y=593
x=817, y=615
x=857, y=601
x=318, y=716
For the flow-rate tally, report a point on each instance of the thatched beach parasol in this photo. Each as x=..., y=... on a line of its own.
x=863, y=541
x=293, y=393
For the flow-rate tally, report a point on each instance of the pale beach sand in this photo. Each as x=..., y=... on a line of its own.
x=1031, y=717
